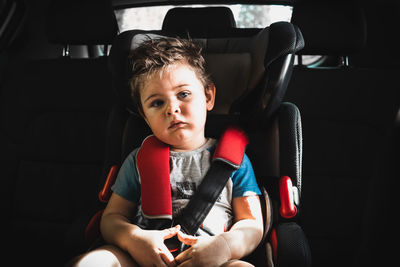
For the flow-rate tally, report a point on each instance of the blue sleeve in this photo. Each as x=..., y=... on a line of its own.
x=127, y=183
x=244, y=181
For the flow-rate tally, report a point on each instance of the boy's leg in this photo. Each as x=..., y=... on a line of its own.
x=107, y=255
x=237, y=263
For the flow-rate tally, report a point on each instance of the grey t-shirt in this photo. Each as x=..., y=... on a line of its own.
x=187, y=170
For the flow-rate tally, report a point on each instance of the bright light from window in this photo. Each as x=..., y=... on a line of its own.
x=246, y=16
x=260, y=16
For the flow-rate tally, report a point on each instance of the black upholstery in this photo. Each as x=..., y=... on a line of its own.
x=275, y=150
x=207, y=22
x=381, y=41
x=89, y=22
x=346, y=115
x=292, y=249
x=278, y=62
x=336, y=28
x=55, y=113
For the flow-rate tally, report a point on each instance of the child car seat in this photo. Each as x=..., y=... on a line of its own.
x=261, y=62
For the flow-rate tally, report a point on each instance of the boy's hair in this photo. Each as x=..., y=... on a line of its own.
x=155, y=55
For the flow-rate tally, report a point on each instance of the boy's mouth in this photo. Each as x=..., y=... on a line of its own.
x=176, y=124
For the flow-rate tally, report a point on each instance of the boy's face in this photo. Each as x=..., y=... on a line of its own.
x=175, y=106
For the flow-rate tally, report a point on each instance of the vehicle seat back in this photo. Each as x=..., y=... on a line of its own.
x=346, y=111
x=56, y=112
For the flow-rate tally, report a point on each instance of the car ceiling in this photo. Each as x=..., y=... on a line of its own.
x=123, y=3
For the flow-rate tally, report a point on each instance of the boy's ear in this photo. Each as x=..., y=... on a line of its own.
x=210, y=96
x=145, y=119
x=141, y=114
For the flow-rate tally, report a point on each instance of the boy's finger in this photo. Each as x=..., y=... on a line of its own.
x=170, y=232
x=183, y=256
x=167, y=257
x=187, y=239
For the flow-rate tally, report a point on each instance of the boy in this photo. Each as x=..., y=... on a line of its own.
x=173, y=95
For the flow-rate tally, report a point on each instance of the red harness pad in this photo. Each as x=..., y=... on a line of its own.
x=231, y=147
x=153, y=166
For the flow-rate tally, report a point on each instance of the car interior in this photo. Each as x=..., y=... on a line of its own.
x=316, y=92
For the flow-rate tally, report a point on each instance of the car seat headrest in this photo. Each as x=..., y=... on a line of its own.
x=199, y=22
x=234, y=64
x=290, y=41
x=330, y=28
x=77, y=22
x=237, y=65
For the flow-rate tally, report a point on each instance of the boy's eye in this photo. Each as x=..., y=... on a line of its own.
x=157, y=103
x=183, y=94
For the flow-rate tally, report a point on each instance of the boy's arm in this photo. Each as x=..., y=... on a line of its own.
x=243, y=237
x=115, y=222
x=146, y=247
x=246, y=233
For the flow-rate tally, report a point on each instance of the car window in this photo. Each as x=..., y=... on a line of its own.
x=246, y=16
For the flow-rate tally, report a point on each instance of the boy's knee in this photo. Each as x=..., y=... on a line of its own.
x=104, y=256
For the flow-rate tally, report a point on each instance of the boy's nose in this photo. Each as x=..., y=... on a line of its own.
x=173, y=108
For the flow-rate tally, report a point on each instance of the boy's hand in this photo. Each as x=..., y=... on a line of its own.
x=150, y=250
x=204, y=251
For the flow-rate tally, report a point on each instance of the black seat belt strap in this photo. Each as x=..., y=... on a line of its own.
x=193, y=215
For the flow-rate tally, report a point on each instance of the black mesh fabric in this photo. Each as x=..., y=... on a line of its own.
x=291, y=143
x=293, y=249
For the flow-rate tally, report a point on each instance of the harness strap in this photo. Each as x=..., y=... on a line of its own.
x=194, y=213
x=153, y=166
x=231, y=147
